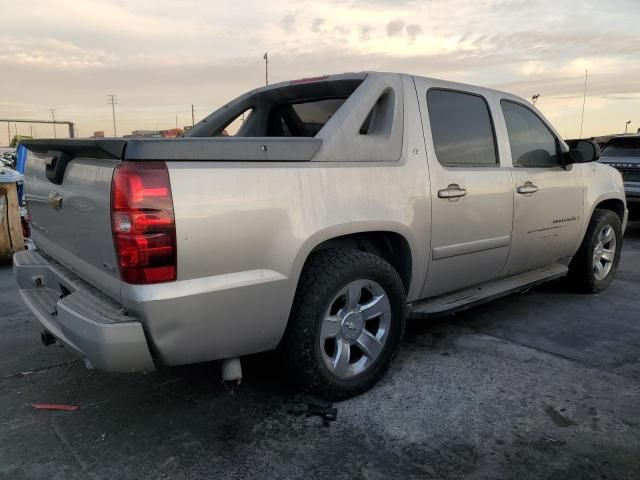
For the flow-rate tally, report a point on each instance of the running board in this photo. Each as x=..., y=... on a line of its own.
x=463, y=299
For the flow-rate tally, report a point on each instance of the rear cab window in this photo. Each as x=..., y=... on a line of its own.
x=304, y=119
x=462, y=129
x=299, y=109
x=622, y=147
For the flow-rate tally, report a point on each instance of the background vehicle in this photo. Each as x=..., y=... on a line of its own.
x=623, y=154
x=8, y=158
x=341, y=204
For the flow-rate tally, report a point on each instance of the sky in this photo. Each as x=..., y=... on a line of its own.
x=159, y=57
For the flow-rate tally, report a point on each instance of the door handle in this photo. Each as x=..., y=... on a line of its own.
x=527, y=189
x=452, y=191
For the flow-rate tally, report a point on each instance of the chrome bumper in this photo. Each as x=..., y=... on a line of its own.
x=92, y=324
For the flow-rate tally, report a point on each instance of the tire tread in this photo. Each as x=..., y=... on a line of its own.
x=323, y=270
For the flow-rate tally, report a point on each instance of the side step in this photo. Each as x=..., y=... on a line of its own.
x=463, y=299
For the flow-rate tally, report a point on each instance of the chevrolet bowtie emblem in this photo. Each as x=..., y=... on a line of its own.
x=55, y=200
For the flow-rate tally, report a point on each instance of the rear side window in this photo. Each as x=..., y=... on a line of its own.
x=622, y=147
x=532, y=143
x=462, y=129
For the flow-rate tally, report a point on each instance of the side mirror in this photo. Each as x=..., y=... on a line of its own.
x=583, y=151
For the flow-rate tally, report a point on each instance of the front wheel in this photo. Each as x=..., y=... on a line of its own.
x=346, y=324
x=593, y=267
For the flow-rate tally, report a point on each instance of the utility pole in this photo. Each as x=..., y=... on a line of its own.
x=9, y=134
x=193, y=116
x=626, y=126
x=53, y=117
x=266, y=68
x=584, y=100
x=176, y=121
x=113, y=101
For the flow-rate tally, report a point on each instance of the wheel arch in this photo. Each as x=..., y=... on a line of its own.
x=391, y=241
x=390, y=246
x=613, y=203
x=616, y=205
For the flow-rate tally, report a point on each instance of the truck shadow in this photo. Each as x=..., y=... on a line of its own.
x=180, y=414
x=530, y=317
x=633, y=230
x=169, y=419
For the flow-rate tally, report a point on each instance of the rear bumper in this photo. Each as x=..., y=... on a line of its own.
x=90, y=323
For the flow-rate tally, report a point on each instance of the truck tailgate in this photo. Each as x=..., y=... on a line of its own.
x=70, y=208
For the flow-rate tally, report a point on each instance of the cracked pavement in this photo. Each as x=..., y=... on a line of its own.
x=544, y=384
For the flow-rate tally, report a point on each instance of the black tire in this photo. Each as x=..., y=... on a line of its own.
x=581, y=269
x=325, y=274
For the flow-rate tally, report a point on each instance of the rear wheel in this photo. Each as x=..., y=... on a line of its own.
x=346, y=324
x=595, y=264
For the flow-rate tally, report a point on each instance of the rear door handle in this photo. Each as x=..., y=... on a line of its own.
x=527, y=189
x=452, y=191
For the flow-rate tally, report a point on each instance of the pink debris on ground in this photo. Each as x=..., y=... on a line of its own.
x=46, y=406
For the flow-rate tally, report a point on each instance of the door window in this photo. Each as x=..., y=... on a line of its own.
x=462, y=129
x=532, y=143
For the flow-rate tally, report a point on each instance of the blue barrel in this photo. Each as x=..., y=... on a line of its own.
x=21, y=163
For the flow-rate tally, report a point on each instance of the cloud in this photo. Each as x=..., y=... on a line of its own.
x=599, y=84
x=288, y=23
x=395, y=27
x=317, y=23
x=365, y=32
x=413, y=31
x=159, y=55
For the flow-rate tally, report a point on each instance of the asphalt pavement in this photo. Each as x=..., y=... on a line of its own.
x=544, y=384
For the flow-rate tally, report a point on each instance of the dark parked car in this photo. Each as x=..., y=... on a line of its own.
x=623, y=153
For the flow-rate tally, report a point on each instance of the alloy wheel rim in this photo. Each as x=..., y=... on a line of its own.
x=355, y=328
x=604, y=252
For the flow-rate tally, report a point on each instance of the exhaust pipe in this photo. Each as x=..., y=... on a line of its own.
x=47, y=338
x=232, y=370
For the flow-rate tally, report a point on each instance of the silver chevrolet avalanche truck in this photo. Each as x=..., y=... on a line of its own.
x=341, y=206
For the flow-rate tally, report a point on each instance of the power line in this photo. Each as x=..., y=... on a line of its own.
x=113, y=101
x=266, y=68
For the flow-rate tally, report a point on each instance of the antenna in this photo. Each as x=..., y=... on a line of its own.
x=584, y=100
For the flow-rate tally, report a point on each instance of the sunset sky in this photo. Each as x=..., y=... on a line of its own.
x=159, y=56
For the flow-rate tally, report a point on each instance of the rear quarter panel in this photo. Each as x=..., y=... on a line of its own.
x=244, y=231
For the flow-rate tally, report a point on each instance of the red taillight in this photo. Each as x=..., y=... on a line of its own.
x=143, y=224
